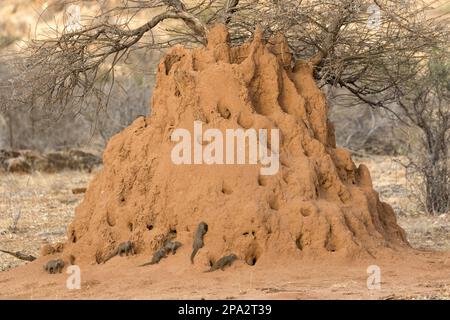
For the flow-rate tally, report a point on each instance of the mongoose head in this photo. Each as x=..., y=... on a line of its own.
x=60, y=263
x=172, y=246
x=177, y=244
x=54, y=264
x=203, y=226
x=233, y=257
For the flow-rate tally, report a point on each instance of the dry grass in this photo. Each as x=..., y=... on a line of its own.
x=36, y=209
x=46, y=206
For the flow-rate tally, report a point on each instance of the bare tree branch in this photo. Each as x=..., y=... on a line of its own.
x=77, y=69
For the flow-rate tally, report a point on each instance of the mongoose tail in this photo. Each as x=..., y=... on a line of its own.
x=112, y=255
x=193, y=255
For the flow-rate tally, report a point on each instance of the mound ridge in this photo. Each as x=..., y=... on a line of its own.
x=319, y=205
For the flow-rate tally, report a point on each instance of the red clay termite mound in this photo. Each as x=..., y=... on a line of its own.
x=318, y=205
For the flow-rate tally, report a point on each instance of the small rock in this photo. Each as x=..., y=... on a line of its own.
x=79, y=190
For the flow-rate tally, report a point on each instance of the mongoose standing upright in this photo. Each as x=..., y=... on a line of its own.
x=126, y=248
x=223, y=262
x=198, y=239
x=54, y=266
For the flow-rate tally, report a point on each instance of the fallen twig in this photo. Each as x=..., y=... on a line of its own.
x=19, y=255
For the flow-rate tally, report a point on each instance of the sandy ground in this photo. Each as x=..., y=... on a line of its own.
x=36, y=209
x=418, y=276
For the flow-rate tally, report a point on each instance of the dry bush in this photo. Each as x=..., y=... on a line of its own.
x=363, y=129
x=424, y=102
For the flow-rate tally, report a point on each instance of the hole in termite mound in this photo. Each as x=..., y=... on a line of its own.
x=98, y=257
x=73, y=237
x=224, y=111
x=173, y=232
x=110, y=219
x=262, y=180
x=305, y=211
x=329, y=244
x=130, y=226
x=170, y=132
x=252, y=261
x=308, y=209
x=274, y=203
x=251, y=258
x=252, y=253
x=299, y=242
x=226, y=189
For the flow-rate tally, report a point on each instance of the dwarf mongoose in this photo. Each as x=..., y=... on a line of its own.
x=125, y=248
x=168, y=247
x=223, y=262
x=54, y=266
x=198, y=239
x=157, y=256
x=172, y=246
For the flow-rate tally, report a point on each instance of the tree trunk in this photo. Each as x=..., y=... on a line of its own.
x=437, y=179
x=10, y=131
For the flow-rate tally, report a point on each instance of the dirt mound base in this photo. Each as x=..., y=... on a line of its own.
x=318, y=205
